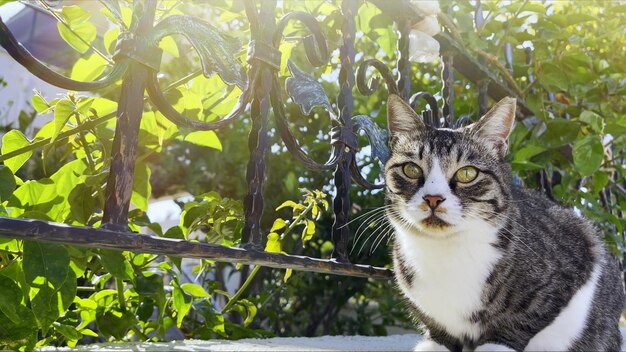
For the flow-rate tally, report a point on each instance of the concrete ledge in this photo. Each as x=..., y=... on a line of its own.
x=279, y=344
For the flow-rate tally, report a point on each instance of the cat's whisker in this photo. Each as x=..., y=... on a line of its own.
x=358, y=235
x=370, y=211
x=364, y=242
x=377, y=242
x=368, y=221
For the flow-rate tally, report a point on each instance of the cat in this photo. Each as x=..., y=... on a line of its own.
x=486, y=265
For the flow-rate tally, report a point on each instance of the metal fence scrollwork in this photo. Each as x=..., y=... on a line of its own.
x=137, y=63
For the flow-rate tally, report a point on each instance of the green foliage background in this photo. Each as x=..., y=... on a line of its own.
x=62, y=295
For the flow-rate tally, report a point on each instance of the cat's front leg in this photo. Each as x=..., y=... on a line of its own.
x=427, y=345
x=493, y=347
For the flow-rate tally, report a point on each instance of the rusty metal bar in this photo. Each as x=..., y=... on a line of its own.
x=345, y=103
x=99, y=238
x=258, y=139
x=130, y=109
x=483, y=84
x=404, y=65
x=447, y=90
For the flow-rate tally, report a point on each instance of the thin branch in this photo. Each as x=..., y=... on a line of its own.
x=62, y=21
x=493, y=60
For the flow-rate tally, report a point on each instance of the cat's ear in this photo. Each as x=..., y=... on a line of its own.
x=495, y=127
x=401, y=118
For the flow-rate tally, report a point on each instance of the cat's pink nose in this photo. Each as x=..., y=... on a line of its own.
x=433, y=201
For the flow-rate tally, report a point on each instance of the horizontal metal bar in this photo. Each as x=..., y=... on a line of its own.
x=36, y=230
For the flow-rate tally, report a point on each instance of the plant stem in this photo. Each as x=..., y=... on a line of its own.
x=120, y=292
x=295, y=222
x=256, y=269
x=139, y=334
x=243, y=287
x=86, y=288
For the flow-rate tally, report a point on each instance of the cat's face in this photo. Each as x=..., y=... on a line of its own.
x=442, y=182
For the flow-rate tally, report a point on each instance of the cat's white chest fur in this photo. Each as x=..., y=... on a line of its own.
x=450, y=275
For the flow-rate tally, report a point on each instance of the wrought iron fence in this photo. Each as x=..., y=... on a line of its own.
x=137, y=64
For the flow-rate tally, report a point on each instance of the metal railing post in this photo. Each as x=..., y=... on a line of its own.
x=258, y=138
x=130, y=109
x=345, y=103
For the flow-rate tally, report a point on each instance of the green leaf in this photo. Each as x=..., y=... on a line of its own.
x=74, y=14
x=81, y=32
x=116, y=263
x=309, y=231
x=592, y=119
x=149, y=284
x=10, y=299
x=39, y=103
x=576, y=18
x=88, y=332
x=7, y=183
x=204, y=139
x=49, y=304
x=213, y=319
x=194, y=290
x=86, y=31
x=387, y=40
x=115, y=323
x=82, y=203
x=588, y=155
x=250, y=311
x=110, y=40
x=88, y=68
x=528, y=152
x=45, y=265
x=33, y=196
x=288, y=203
x=560, y=132
x=141, y=186
x=599, y=181
x=12, y=141
x=68, y=331
x=552, y=76
x=181, y=303
x=62, y=113
x=288, y=273
x=104, y=106
x=21, y=334
x=273, y=243
x=120, y=16
x=168, y=45
x=278, y=224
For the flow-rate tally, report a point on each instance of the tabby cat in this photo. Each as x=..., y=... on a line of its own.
x=486, y=265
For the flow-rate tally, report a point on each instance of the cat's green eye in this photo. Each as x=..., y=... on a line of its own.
x=412, y=171
x=466, y=174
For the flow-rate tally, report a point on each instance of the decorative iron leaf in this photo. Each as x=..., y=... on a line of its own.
x=217, y=50
x=378, y=137
x=306, y=91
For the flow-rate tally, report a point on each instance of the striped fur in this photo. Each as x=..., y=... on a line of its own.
x=492, y=266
